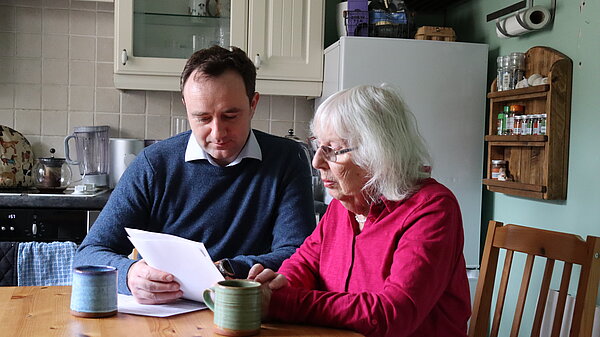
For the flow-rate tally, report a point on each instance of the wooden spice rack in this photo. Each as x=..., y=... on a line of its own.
x=537, y=164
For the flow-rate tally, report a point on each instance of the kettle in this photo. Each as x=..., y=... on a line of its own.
x=317, y=183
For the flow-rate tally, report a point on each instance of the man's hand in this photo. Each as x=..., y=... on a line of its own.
x=151, y=286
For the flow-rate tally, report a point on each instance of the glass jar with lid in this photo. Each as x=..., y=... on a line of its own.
x=499, y=169
x=51, y=175
x=516, y=66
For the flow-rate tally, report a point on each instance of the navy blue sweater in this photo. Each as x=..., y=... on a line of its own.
x=253, y=212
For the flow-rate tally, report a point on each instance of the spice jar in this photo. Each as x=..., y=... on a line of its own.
x=499, y=170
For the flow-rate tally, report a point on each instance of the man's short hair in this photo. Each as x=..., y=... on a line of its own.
x=214, y=61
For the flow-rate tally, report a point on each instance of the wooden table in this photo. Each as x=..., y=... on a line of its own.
x=44, y=311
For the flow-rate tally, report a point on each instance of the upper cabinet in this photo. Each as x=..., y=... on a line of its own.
x=153, y=39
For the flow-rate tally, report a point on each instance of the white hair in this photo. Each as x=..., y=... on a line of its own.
x=377, y=122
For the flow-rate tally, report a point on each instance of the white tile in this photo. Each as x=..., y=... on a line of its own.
x=28, y=121
x=105, y=23
x=7, y=118
x=280, y=128
x=82, y=22
x=133, y=126
x=54, y=97
x=282, y=108
x=259, y=124
x=28, y=96
x=158, y=103
x=55, y=21
x=82, y=73
x=55, y=71
x=29, y=3
x=156, y=127
x=55, y=46
x=82, y=48
x=107, y=100
x=54, y=123
x=56, y=3
x=28, y=71
x=29, y=45
x=106, y=6
x=83, y=4
x=39, y=149
x=105, y=49
x=81, y=99
x=28, y=20
x=56, y=142
x=104, y=75
x=8, y=43
x=302, y=130
x=133, y=102
x=7, y=18
x=112, y=120
x=177, y=107
x=7, y=70
x=303, y=109
x=80, y=119
x=7, y=96
x=263, y=109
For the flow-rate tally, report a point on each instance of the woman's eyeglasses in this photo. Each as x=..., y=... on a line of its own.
x=328, y=152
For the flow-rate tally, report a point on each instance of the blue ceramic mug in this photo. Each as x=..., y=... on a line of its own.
x=94, y=291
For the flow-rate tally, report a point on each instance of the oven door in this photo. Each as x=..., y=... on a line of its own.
x=45, y=225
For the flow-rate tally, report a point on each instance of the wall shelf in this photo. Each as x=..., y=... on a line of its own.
x=537, y=164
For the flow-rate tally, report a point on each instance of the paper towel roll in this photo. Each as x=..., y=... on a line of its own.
x=531, y=19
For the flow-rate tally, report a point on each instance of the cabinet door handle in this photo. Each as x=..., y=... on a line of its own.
x=124, y=57
x=257, y=61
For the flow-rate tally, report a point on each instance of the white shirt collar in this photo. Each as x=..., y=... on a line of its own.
x=195, y=152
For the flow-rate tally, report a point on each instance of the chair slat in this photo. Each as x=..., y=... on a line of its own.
x=542, y=298
x=562, y=299
x=501, y=294
x=559, y=246
x=522, y=295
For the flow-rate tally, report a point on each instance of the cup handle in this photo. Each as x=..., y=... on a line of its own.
x=208, y=298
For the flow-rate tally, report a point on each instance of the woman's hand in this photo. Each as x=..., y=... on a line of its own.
x=274, y=280
x=151, y=286
x=270, y=281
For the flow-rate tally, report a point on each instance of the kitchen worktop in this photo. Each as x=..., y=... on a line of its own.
x=63, y=201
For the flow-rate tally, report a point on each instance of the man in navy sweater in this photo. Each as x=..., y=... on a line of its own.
x=245, y=194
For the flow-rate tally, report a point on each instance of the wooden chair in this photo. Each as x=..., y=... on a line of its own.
x=570, y=248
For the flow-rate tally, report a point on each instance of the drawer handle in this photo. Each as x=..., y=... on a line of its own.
x=124, y=57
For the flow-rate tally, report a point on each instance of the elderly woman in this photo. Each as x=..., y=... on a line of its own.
x=386, y=259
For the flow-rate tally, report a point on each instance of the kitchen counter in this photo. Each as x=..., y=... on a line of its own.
x=63, y=201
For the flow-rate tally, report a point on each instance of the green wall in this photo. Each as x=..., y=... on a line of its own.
x=576, y=33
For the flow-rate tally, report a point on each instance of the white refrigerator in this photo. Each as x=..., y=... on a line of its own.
x=444, y=85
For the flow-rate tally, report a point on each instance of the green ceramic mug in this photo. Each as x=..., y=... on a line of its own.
x=237, y=307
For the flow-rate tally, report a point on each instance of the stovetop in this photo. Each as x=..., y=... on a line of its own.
x=32, y=198
x=66, y=193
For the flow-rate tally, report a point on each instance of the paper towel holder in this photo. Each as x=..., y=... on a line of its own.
x=502, y=15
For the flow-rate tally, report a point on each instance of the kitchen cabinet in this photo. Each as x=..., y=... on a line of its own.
x=154, y=38
x=537, y=164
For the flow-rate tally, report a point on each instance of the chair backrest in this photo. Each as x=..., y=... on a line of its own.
x=554, y=246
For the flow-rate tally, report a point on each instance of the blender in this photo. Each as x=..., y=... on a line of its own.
x=91, y=143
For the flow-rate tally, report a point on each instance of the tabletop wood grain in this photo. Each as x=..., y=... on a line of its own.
x=44, y=311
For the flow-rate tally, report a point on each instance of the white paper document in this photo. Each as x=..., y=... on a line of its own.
x=187, y=260
x=128, y=305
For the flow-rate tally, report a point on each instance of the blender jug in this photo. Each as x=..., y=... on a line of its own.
x=91, y=143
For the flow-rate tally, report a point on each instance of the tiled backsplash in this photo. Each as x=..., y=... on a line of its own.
x=56, y=73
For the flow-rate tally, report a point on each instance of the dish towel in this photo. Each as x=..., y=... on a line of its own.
x=8, y=263
x=45, y=264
